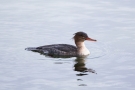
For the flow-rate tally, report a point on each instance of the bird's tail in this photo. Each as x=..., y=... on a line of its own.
x=31, y=49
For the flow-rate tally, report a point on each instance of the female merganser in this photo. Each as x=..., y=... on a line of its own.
x=65, y=50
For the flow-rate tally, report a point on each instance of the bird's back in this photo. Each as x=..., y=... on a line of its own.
x=55, y=50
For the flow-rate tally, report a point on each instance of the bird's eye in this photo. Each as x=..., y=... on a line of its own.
x=83, y=37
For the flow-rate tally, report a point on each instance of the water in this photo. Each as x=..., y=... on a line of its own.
x=110, y=66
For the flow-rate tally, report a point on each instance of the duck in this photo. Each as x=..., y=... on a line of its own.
x=66, y=50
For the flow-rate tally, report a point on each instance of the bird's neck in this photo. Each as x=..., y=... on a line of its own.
x=81, y=49
x=80, y=45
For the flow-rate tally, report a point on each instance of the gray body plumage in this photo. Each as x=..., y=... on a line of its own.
x=56, y=50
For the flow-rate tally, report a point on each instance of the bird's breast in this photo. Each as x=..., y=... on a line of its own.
x=83, y=51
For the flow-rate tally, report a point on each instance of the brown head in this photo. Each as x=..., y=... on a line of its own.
x=81, y=37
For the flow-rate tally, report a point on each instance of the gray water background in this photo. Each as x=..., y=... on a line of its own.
x=26, y=23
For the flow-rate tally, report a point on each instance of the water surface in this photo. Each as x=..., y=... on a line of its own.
x=110, y=66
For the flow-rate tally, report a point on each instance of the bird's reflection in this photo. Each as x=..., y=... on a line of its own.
x=80, y=67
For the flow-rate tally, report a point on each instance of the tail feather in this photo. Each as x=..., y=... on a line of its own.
x=31, y=49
